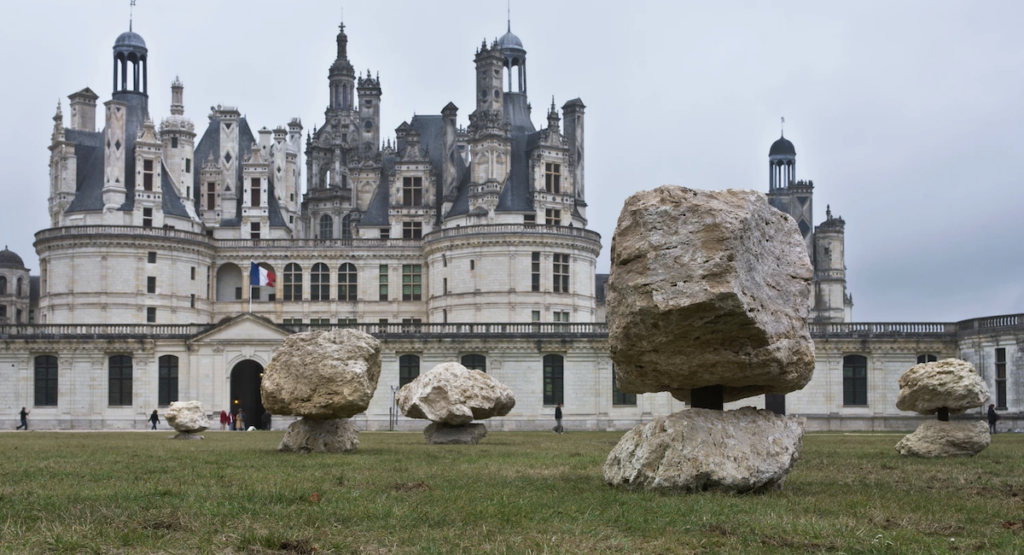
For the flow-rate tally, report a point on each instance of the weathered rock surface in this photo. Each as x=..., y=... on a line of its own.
x=708, y=288
x=934, y=438
x=187, y=417
x=950, y=383
x=187, y=435
x=307, y=435
x=443, y=434
x=745, y=450
x=322, y=375
x=452, y=394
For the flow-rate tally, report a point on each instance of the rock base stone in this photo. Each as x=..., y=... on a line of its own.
x=934, y=438
x=186, y=435
x=443, y=434
x=320, y=436
x=745, y=450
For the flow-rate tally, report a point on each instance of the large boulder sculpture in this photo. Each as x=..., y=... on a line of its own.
x=708, y=299
x=943, y=388
x=188, y=419
x=452, y=396
x=326, y=377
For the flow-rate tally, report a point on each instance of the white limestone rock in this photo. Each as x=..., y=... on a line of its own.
x=443, y=434
x=950, y=383
x=745, y=450
x=322, y=375
x=708, y=288
x=934, y=438
x=307, y=435
x=187, y=417
x=452, y=394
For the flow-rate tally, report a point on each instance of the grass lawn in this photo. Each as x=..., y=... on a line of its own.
x=514, y=493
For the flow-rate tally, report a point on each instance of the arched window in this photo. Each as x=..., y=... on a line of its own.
x=168, y=380
x=320, y=283
x=17, y=288
x=120, y=381
x=855, y=380
x=346, y=227
x=475, y=362
x=921, y=359
x=326, y=227
x=553, y=386
x=347, y=282
x=408, y=369
x=46, y=381
x=293, y=282
x=3, y=285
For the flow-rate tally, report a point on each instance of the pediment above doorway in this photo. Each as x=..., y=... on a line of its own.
x=242, y=328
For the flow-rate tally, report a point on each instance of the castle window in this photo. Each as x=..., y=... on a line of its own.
x=561, y=316
x=3, y=285
x=560, y=273
x=193, y=273
x=151, y=315
x=188, y=165
x=147, y=175
x=347, y=282
x=535, y=316
x=17, y=316
x=151, y=284
x=320, y=283
x=408, y=369
x=151, y=257
x=254, y=190
x=346, y=226
x=18, y=287
x=535, y=271
x=1001, y=378
x=211, y=197
x=147, y=217
x=412, y=282
x=46, y=381
x=530, y=219
x=444, y=288
x=412, y=230
x=618, y=397
x=3, y=312
x=254, y=230
x=383, y=280
x=444, y=315
x=293, y=282
x=475, y=362
x=922, y=359
x=192, y=302
x=174, y=142
x=553, y=383
x=553, y=178
x=168, y=380
x=385, y=233
x=552, y=216
x=412, y=191
x=120, y=381
x=326, y=227
x=855, y=381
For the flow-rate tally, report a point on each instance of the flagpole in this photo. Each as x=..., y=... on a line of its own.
x=250, y=286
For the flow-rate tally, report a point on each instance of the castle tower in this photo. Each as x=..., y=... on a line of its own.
x=572, y=113
x=177, y=133
x=515, y=61
x=63, y=170
x=369, y=115
x=831, y=301
x=793, y=197
x=148, y=210
x=490, y=141
x=83, y=110
x=255, y=202
x=342, y=76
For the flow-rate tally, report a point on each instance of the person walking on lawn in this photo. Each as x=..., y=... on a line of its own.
x=24, y=419
x=558, y=419
x=993, y=417
x=154, y=419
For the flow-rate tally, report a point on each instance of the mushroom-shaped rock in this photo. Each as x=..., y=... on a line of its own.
x=949, y=383
x=934, y=438
x=454, y=395
x=708, y=289
x=322, y=375
x=187, y=418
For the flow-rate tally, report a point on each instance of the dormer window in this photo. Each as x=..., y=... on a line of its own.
x=147, y=175
x=412, y=191
x=553, y=178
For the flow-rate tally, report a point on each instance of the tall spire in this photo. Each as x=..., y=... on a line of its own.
x=131, y=14
x=509, y=7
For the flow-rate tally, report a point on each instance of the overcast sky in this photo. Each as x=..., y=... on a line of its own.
x=908, y=116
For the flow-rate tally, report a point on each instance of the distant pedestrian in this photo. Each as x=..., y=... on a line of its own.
x=558, y=420
x=154, y=419
x=224, y=420
x=24, y=419
x=992, y=418
x=266, y=420
x=231, y=421
x=240, y=420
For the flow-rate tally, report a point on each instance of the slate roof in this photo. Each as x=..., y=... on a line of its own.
x=377, y=212
x=171, y=202
x=89, y=175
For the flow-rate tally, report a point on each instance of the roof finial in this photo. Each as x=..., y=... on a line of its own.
x=509, y=7
x=131, y=14
x=782, y=127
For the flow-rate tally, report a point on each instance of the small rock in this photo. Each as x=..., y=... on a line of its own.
x=187, y=417
x=307, y=435
x=950, y=383
x=934, y=438
x=452, y=394
x=745, y=450
x=443, y=434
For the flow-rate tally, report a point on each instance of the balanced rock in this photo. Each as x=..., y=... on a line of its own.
x=454, y=395
x=188, y=418
x=949, y=383
x=443, y=434
x=744, y=450
x=934, y=438
x=709, y=288
x=322, y=375
x=306, y=435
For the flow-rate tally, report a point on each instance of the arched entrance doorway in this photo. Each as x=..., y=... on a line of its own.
x=246, y=377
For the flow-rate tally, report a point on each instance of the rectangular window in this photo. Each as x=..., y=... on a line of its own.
x=151, y=315
x=295, y=321
x=211, y=196
x=620, y=398
x=553, y=178
x=472, y=265
x=193, y=273
x=151, y=284
x=151, y=257
x=552, y=216
x=553, y=379
x=188, y=165
x=192, y=303
x=444, y=315
x=46, y=381
x=238, y=293
x=3, y=311
x=561, y=316
x=174, y=142
x=412, y=230
x=530, y=219
x=383, y=282
x=855, y=381
x=168, y=380
x=444, y=289
x=17, y=316
x=535, y=316
x=385, y=233
x=254, y=293
x=535, y=271
x=1001, y=378
x=120, y=381
x=560, y=273
x=254, y=230
x=412, y=282
x=412, y=191
x=347, y=321
x=147, y=217
x=254, y=190
x=320, y=322
x=147, y=175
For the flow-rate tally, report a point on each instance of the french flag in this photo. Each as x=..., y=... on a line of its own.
x=259, y=277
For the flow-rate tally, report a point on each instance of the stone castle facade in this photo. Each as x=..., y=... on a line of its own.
x=451, y=243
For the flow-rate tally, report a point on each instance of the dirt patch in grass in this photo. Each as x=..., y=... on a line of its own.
x=409, y=487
